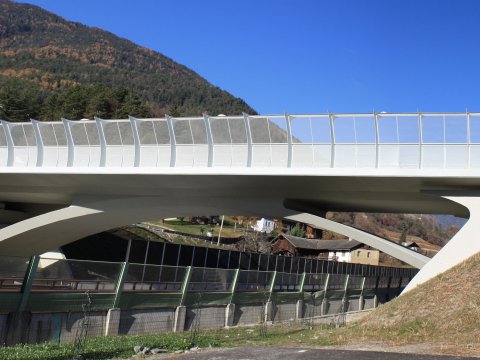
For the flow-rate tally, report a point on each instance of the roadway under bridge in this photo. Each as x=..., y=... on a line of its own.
x=61, y=181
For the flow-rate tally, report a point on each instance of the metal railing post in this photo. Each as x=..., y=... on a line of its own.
x=173, y=142
x=289, y=140
x=70, y=144
x=136, y=140
x=469, y=160
x=209, y=139
x=420, y=141
x=377, y=140
x=9, y=139
x=249, y=140
x=28, y=282
x=39, y=141
x=332, y=137
x=119, y=285
x=103, y=142
x=185, y=285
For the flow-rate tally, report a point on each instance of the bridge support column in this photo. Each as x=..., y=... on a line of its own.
x=463, y=245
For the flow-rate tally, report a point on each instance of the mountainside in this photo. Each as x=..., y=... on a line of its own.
x=53, y=54
x=422, y=229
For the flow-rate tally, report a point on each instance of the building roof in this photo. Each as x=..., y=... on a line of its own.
x=321, y=245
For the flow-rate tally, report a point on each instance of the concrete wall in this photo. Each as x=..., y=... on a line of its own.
x=284, y=311
x=248, y=314
x=205, y=317
x=61, y=327
x=136, y=322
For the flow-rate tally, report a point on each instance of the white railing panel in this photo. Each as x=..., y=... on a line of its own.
x=185, y=156
x=81, y=156
x=239, y=154
x=261, y=155
x=409, y=156
x=302, y=155
x=149, y=156
x=200, y=153
x=222, y=155
x=388, y=156
x=322, y=155
x=3, y=156
x=55, y=156
x=433, y=156
x=86, y=156
x=366, y=155
x=279, y=155
x=114, y=156
x=456, y=156
x=345, y=155
x=25, y=156
x=474, y=156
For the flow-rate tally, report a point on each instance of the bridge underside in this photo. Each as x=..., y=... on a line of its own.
x=47, y=210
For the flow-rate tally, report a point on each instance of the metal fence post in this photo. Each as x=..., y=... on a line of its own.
x=234, y=285
x=302, y=283
x=119, y=286
x=186, y=282
x=272, y=283
x=28, y=282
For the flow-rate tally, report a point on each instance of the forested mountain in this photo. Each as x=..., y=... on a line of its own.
x=48, y=56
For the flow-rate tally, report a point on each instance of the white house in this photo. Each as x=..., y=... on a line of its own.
x=264, y=225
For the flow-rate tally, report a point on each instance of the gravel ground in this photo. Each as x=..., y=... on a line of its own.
x=276, y=353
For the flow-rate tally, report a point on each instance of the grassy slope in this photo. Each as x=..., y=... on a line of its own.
x=444, y=312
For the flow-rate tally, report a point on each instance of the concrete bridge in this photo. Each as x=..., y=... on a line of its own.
x=60, y=181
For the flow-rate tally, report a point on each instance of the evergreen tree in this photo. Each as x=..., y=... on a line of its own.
x=298, y=230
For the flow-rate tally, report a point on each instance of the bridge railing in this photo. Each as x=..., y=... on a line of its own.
x=378, y=140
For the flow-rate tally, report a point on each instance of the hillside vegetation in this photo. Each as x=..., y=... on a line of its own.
x=444, y=313
x=425, y=230
x=52, y=54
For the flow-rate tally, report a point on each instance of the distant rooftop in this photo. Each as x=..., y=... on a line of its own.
x=321, y=245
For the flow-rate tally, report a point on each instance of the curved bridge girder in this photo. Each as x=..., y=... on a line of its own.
x=462, y=246
x=410, y=257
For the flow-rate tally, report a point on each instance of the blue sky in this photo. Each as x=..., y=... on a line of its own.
x=310, y=56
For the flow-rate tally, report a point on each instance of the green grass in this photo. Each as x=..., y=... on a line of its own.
x=118, y=347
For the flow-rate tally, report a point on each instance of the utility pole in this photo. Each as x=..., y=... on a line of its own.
x=220, y=232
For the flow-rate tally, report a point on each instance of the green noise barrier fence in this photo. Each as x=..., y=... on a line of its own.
x=40, y=284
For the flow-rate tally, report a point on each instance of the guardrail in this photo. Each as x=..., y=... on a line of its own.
x=377, y=140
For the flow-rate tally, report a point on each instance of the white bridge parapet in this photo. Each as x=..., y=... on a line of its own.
x=407, y=141
x=152, y=168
